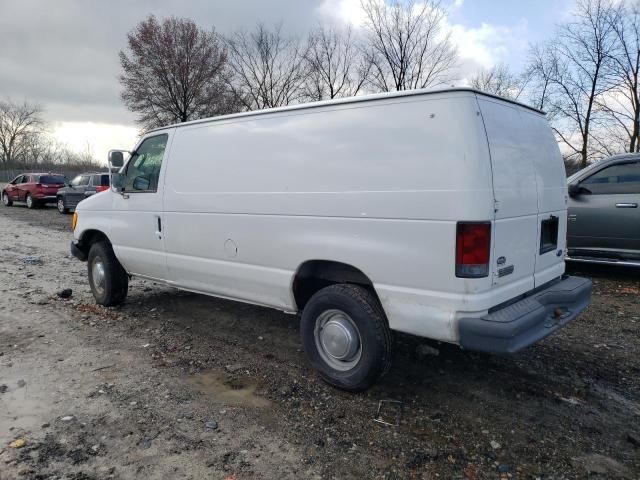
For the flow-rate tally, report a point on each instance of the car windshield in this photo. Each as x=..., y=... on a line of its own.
x=59, y=179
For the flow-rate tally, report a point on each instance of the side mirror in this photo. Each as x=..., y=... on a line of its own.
x=116, y=159
x=574, y=190
x=117, y=181
x=141, y=183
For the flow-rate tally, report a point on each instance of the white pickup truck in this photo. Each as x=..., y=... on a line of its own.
x=437, y=213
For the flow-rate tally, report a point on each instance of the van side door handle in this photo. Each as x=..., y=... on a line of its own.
x=159, y=230
x=626, y=205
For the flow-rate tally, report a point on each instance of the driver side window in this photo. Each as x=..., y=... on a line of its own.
x=623, y=178
x=143, y=168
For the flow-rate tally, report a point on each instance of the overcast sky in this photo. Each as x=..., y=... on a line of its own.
x=63, y=54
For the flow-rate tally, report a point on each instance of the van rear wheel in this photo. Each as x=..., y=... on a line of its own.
x=346, y=336
x=108, y=280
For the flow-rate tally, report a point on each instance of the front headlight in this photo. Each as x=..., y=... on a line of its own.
x=74, y=221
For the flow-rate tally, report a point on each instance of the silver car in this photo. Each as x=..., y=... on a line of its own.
x=604, y=217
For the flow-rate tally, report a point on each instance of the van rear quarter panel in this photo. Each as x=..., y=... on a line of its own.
x=378, y=185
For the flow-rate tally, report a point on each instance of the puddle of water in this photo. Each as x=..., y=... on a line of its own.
x=21, y=408
x=232, y=392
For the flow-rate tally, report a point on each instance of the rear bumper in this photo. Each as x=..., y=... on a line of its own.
x=527, y=321
x=77, y=251
x=45, y=198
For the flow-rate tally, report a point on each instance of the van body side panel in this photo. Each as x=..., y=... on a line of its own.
x=376, y=185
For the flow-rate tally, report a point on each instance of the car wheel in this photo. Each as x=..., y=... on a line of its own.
x=31, y=203
x=6, y=201
x=61, y=206
x=346, y=336
x=108, y=280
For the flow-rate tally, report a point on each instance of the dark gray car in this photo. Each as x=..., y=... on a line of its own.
x=79, y=188
x=604, y=213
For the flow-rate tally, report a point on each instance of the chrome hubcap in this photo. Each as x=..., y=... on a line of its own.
x=29, y=201
x=5, y=199
x=61, y=205
x=338, y=340
x=98, y=274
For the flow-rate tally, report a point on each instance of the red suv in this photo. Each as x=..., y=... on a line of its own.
x=33, y=188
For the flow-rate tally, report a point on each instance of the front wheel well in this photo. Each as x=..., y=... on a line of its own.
x=314, y=275
x=90, y=237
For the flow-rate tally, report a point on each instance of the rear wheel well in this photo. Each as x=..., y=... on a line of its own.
x=314, y=275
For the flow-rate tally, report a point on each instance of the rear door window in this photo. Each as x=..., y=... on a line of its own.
x=100, y=180
x=623, y=178
x=52, y=179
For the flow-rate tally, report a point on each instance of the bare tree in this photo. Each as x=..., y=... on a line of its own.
x=336, y=66
x=268, y=69
x=621, y=105
x=498, y=80
x=173, y=72
x=18, y=123
x=579, y=76
x=542, y=69
x=407, y=46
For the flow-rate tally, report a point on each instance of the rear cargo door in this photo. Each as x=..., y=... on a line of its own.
x=552, y=198
x=516, y=196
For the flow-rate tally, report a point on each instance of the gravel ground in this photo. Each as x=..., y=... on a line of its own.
x=178, y=385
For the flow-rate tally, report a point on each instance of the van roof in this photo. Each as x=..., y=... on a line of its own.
x=342, y=101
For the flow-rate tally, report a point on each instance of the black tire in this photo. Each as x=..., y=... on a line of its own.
x=62, y=208
x=115, y=285
x=6, y=201
x=31, y=203
x=365, y=312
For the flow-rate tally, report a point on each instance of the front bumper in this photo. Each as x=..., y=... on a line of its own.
x=77, y=251
x=527, y=321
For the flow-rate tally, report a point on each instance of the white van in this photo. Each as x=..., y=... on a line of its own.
x=437, y=213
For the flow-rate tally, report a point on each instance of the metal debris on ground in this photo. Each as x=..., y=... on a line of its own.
x=397, y=405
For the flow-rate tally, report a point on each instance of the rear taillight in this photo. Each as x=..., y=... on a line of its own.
x=102, y=188
x=473, y=249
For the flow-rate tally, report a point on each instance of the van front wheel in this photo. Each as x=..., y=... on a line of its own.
x=108, y=280
x=346, y=336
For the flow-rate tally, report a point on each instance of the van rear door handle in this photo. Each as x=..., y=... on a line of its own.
x=626, y=205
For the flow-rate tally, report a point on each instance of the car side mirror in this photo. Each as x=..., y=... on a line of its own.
x=141, y=183
x=574, y=190
x=117, y=181
x=116, y=158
